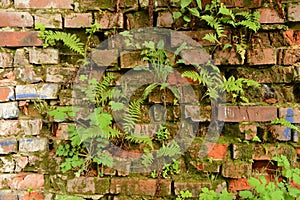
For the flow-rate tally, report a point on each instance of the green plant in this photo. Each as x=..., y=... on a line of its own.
x=239, y=23
x=183, y=195
x=171, y=168
x=284, y=122
x=207, y=194
x=278, y=190
x=217, y=85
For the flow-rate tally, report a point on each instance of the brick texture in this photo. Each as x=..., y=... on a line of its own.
x=19, y=39
x=17, y=19
x=67, y=4
x=78, y=20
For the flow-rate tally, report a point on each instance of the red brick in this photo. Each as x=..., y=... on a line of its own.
x=281, y=133
x=227, y=57
x=8, y=195
x=49, y=20
x=77, y=20
x=6, y=59
x=195, y=56
x=66, y=4
x=19, y=39
x=218, y=152
x=247, y=113
x=238, y=184
x=62, y=131
x=175, y=78
x=33, y=196
x=293, y=12
x=289, y=56
x=266, y=56
x=110, y=20
x=6, y=93
x=292, y=37
x=236, y=169
x=269, y=16
x=242, y=3
x=165, y=19
x=25, y=181
x=8, y=145
x=18, y=19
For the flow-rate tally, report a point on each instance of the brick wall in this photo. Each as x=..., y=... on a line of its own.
x=28, y=72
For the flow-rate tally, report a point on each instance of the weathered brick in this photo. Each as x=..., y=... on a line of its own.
x=34, y=91
x=67, y=4
x=266, y=56
x=247, y=113
x=20, y=58
x=281, y=133
x=29, y=74
x=191, y=186
x=43, y=56
x=25, y=181
x=107, y=4
x=62, y=131
x=8, y=145
x=207, y=167
x=290, y=114
x=274, y=74
x=165, y=19
x=289, y=56
x=20, y=163
x=193, y=38
x=8, y=194
x=6, y=59
x=269, y=16
x=33, y=196
x=33, y=144
x=218, y=152
x=31, y=127
x=292, y=37
x=60, y=75
x=77, y=20
x=238, y=184
x=175, y=78
x=110, y=20
x=249, y=129
x=195, y=56
x=9, y=110
x=7, y=165
x=137, y=20
x=241, y=3
x=9, y=127
x=91, y=185
x=105, y=57
x=6, y=93
x=132, y=59
x=293, y=12
x=49, y=20
x=20, y=39
x=17, y=19
x=227, y=57
x=5, y=3
x=236, y=169
x=136, y=186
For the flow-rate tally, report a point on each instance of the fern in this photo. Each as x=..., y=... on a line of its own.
x=147, y=159
x=170, y=150
x=72, y=41
x=132, y=116
x=140, y=139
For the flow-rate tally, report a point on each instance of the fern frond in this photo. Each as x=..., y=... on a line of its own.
x=147, y=159
x=132, y=116
x=170, y=150
x=211, y=37
x=254, y=26
x=149, y=89
x=225, y=11
x=140, y=139
x=70, y=40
